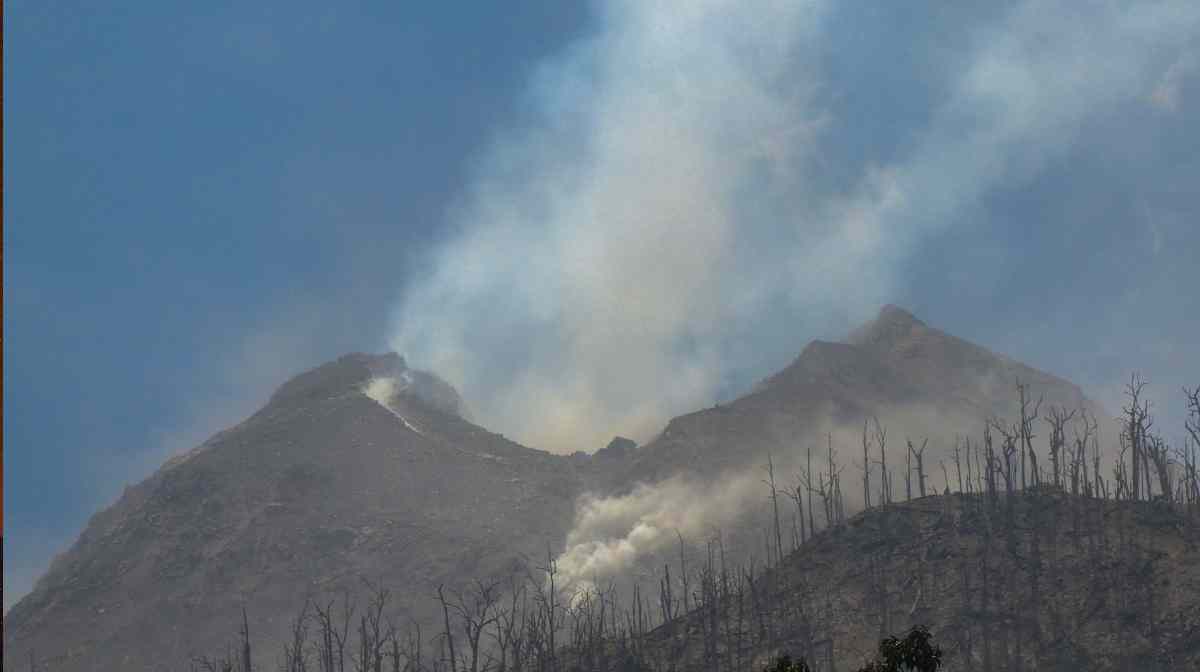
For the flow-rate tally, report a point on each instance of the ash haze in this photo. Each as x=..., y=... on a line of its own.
x=616, y=259
x=587, y=216
x=610, y=534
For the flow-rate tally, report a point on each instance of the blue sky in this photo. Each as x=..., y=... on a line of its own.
x=204, y=201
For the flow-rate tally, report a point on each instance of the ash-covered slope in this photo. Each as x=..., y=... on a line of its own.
x=324, y=486
x=919, y=382
x=1046, y=581
x=365, y=468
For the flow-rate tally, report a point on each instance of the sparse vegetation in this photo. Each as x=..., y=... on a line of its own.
x=1016, y=543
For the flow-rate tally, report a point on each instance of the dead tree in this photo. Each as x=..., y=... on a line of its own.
x=666, y=600
x=835, y=483
x=992, y=464
x=683, y=573
x=372, y=630
x=1026, y=433
x=334, y=636
x=919, y=456
x=1160, y=457
x=296, y=651
x=510, y=635
x=1084, y=430
x=1101, y=487
x=1057, y=419
x=547, y=599
x=1192, y=423
x=325, y=649
x=958, y=467
x=1120, y=478
x=908, y=472
x=331, y=646
x=1189, y=482
x=796, y=494
x=1009, y=440
x=476, y=614
x=1136, y=424
x=447, y=632
x=414, y=659
x=866, y=467
x=828, y=488
x=821, y=491
x=885, y=490
x=812, y=528
x=770, y=482
x=245, y=660
x=971, y=474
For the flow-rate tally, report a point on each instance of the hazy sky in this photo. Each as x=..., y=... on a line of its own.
x=588, y=216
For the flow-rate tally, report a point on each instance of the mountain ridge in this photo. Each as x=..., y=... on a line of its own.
x=330, y=483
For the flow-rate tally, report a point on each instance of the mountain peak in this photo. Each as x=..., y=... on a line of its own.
x=894, y=313
x=889, y=327
x=356, y=370
x=346, y=372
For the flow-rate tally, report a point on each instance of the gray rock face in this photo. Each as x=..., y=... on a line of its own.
x=325, y=486
x=617, y=449
x=433, y=391
x=319, y=490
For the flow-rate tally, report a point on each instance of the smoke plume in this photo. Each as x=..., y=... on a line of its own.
x=612, y=533
x=653, y=230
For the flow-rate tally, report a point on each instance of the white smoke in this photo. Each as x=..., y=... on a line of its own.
x=611, y=533
x=590, y=289
x=383, y=391
x=653, y=227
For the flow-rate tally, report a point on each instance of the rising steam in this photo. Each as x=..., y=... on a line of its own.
x=383, y=390
x=653, y=231
x=611, y=533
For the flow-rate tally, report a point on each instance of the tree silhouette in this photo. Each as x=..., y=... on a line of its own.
x=915, y=653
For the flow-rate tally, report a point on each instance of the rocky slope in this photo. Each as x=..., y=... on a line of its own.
x=366, y=469
x=322, y=488
x=920, y=382
x=1056, y=583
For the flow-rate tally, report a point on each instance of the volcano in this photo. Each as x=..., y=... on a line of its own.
x=364, y=471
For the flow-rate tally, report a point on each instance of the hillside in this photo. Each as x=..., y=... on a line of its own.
x=919, y=381
x=1058, y=582
x=320, y=489
x=366, y=470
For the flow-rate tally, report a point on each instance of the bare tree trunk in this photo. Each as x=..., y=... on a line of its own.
x=972, y=466
x=1057, y=419
x=885, y=495
x=1027, y=435
x=908, y=472
x=775, y=507
x=866, y=467
x=958, y=467
x=1136, y=414
x=990, y=455
x=683, y=575
x=919, y=455
x=835, y=489
x=812, y=527
x=245, y=641
x=448, y=632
